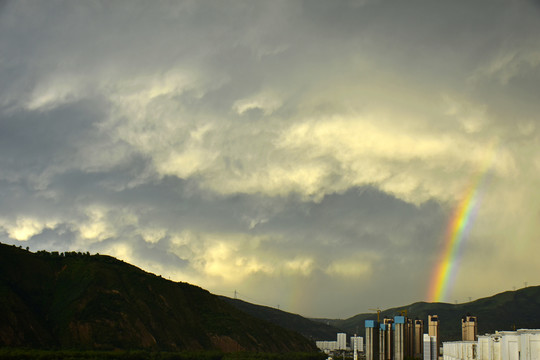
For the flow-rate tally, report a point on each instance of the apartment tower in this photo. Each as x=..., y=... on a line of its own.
x=382, y=341
x=400, y=338
x=469, y=328
x=342, y=341
x=372, y=340
x=418, y=339
x=409, y=349
x=433, y=330
x=386, y=340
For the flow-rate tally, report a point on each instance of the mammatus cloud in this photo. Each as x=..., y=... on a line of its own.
x=288, y=150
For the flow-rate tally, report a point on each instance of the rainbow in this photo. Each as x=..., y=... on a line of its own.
x=456, y=232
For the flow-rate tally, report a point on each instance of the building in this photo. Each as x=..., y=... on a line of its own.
x=326, y=346
x=418, y=348
x=489, y=347
x=357, y=343
x=435, y=349
x=342, y=341
x=430, y=347
x=410, y=338
x=460, y=350
x=529, y=344
x=469, y=328
x=382, y=341
x=510, y=345
x=427, y=347
x=400, y=338
x=386, y=339
x=372, y=340
x=433, y=330
x=523, y=344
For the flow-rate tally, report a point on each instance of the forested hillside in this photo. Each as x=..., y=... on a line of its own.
x=83, y=301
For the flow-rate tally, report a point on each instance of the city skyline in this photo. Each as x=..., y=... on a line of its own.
x=323, y=157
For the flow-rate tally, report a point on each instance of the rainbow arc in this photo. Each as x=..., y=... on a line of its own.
x=457, y=231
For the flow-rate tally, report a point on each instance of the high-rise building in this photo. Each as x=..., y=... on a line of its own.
x=355, y=346
x=418, y=339
x=400, y=338
x=433, y=330
x=386, y=339
x=357, y=341
x=342, y=341
x=427, y=347
x=409, y=336
x=382, y=341
x=372, y=340
x=469, y=328
x=434, y=348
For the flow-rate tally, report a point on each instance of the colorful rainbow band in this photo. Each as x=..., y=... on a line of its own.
x=457, y=230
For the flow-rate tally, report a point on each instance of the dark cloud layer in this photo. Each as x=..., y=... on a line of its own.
x=306, y=153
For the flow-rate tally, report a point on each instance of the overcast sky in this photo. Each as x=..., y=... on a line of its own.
x=307, y=154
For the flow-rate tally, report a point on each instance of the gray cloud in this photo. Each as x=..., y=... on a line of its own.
x=290, y=150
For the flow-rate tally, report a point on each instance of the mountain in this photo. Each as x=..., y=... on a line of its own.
x=505, y=311
x=314, y=330
x=79, y=301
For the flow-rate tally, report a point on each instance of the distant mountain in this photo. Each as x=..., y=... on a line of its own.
x=78, y=301
x=505, y=311
x=314, y=330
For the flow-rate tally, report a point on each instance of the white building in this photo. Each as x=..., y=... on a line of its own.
x=523, y=344
x=359, y=341
x=326, y=346
x=460, y=350
x=510, y=345
x=489, y=347
x=430, y=347
x=342, y=341
x=530, y=345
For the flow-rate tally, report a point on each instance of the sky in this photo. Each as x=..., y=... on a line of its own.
x=307, y=155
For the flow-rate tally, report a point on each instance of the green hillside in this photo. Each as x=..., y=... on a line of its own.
x=78, y=301
x=311, y=329
x=504, y=311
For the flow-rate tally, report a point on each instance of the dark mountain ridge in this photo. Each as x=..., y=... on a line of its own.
x=311, y=329
x=505, y=311
x=79, y=301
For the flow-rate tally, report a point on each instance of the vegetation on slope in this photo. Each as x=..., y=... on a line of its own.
x=505, y=311
x=311, y=329
x=33, y=354
x=78, y=301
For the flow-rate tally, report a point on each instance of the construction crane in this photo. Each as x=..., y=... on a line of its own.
x=403, y=312
x=378, y=313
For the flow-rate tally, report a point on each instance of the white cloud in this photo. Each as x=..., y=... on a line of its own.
x=299, y=265
x=25, y=227
x=267, y=101
x=353, y=269
x=59, y=90
x=152, y=234
x=221, y=144
x=104, y=222
x=121, y=250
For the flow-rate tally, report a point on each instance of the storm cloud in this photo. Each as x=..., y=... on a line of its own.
x=302, y=153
